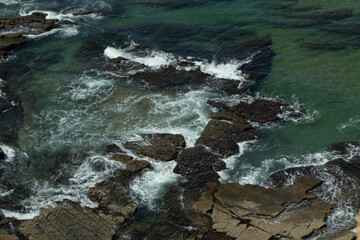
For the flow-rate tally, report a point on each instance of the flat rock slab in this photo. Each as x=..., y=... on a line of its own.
x=253, y=212
x=69, y=222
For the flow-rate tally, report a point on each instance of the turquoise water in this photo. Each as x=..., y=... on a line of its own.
x=72, y=108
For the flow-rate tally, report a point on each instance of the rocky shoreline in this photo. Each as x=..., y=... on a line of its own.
x=198, y=206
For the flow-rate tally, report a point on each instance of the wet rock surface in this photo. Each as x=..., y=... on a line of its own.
x=35, y=24
x=112, y=198
x=163, y=146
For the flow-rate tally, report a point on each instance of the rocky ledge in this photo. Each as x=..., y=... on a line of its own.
x=14, y=30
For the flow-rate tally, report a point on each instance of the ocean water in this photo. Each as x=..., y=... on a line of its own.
x=72, y=108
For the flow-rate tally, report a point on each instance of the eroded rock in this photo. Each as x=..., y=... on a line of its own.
x=112, y=198
x=253, y=212
x=70, y=221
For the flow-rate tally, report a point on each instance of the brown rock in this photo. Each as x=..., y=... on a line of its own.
x=69, y=221
x=113, y=148
x=121, y=158
x=253, y=212
x=158, y=152
x=8, y=237
x=113, y=198
x=137, y=165
x=176, y=140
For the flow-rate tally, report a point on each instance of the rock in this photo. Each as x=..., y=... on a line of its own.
x=113, y=148
x=253, y=212
x=35, y=23
x=123, y=67
x=206, y=200
x=121, y=158
x=69, y=221
x=198, y=166
x=171, y=77
x=176, y=140
x=158, y=152
x=224, y=146
x=134, y=144
x=85, y=13
x=260, y=110
x=137, y=165
x=2, y=154
x=112, y=198
x=8, y=237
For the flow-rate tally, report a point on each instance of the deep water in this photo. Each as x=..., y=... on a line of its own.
x=72, y=108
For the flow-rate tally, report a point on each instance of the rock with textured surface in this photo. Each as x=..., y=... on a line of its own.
x=137, y=165
x=158, y=152
x=176, y=140
x=70, y=221
x=260, y=110
x=112, y=198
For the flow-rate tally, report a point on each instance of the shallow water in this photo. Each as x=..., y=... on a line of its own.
x=72, y=108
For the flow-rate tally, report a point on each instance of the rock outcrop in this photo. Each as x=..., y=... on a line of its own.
x=35, y=24
x=70, y=221
x=159, y=146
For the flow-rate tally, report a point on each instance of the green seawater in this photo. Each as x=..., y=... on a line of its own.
x=72, y=107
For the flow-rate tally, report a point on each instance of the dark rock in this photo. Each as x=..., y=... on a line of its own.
x=260, y=110
x=86, y=12
x=198, y=166
x=344, y=147
x=222, y=107
x=122, y=66
x=224, y=146
x=113, y=148
x=225, y=130
x=259, y=67
x=112, y=198
x=70, y=221
x=171, y=77
x=134, y=144
x=2, y=154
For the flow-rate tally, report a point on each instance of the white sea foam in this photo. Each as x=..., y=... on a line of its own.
x=185, y=114
x=156, y=59
x=149, y=188
x=11, y=2
x=93, y=170
x=228, y=70
x=9, y=152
